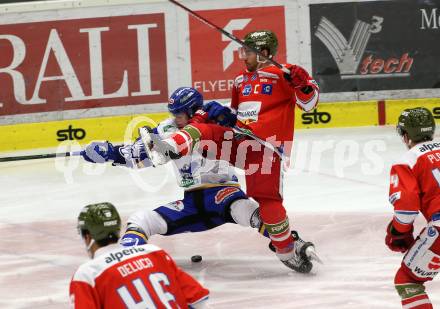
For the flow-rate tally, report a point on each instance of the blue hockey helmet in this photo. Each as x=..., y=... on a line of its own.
x=185, y=100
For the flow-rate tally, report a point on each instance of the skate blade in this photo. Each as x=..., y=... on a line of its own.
x=311, y=254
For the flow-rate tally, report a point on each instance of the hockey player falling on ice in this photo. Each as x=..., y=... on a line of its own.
x=212, y=192
x=263, y=104
x=414, y=188
x=119, y=277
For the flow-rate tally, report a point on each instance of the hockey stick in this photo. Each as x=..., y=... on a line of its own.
x=41, y=156
x=264, y=143
x=233, y=38
x=248, y=133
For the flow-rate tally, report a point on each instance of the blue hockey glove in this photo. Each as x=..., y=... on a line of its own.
x=99, y=152
x=220, y=114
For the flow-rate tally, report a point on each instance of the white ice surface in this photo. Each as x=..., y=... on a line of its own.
x=344, y=211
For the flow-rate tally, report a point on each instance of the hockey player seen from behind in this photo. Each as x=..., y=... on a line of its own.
x=119, y=277
x=263, y=104
x=212, y=194
x=414, y=189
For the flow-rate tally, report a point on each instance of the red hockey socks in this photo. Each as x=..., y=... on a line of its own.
x=276, y=222
x=411, y=291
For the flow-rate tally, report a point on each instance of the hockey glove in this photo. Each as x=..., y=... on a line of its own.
x=298, y=77
x=99, y=152
x=397, y=241
x=220, y=114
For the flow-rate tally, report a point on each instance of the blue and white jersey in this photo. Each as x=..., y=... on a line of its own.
x=193, y=171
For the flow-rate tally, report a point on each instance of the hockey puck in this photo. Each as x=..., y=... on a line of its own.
x=196, y=258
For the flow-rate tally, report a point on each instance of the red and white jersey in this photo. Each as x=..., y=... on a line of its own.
x=415, y=185
x=133, y=277
x=265, y=102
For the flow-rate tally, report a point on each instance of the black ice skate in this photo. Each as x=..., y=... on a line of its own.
x=304, y=253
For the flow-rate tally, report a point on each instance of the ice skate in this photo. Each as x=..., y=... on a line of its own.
x=302, y=256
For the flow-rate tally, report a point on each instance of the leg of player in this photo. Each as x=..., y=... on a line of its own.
x=292, y=251
x=265, y=185
x=274, y=217
x=141, y=225
x=245, y=212
x=411, y=291
x=420, y=264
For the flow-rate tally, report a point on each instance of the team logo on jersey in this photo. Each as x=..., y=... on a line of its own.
x=432, y=231
x=177, y=205
x=248, y=111
x=247, y=90
x=266, y=89
x=224, y=194
x=119, y=255
x=429, y=147
x=254, y=76
x=245, y=78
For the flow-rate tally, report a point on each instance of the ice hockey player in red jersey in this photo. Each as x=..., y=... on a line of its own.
x=120, y=277
x=263, y=104
x=414, y=189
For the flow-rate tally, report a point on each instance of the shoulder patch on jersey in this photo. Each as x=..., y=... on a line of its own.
x=266, y=89
x=238, y=80
x=246, y=90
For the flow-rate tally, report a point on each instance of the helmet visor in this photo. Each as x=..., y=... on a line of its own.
x=400, y=130
x=244, y=53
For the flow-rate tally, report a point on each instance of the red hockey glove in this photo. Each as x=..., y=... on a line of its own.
x=397, y=241
x=299, y=77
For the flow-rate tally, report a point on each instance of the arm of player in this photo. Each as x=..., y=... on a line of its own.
x=200, y=116
x=195, y=294
x=404, y=196
x=220, y=114
x=305, y=88
x=132, y=156
x=83, y=296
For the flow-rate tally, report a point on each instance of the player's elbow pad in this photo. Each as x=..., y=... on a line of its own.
x=134, y=237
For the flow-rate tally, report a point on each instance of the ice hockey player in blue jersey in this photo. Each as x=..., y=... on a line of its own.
x=212, y=194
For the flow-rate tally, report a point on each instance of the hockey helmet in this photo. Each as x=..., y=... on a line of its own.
x=185, y=100
x=101, y=221
x=418, y=123
x=261, y=40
